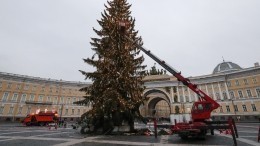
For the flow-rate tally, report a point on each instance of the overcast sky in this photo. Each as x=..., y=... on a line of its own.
x=49, y=38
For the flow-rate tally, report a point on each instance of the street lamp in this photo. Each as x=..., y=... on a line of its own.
x=235, y=113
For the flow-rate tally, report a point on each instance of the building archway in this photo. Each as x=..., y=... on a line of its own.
x=157, y=105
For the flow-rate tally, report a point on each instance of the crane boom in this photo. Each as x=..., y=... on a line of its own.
x=209, y=103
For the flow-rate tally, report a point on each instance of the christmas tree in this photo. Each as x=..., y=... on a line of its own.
x=116, y=92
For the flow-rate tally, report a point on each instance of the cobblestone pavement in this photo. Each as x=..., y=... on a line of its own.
x=13, y=135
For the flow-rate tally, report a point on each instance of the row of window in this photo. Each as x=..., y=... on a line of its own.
x=244, y=107
x=246, y=82
x=11, y=111
x=229, y=84
x=64, y=100
x=224, y=94
x=26, y=87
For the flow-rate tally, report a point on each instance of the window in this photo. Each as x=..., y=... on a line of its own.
x=50, y=89
x=9, y=85
x=18, y=86
x=187, y=98
x=31, y=97
x=1, y=109
x=11, y=110
x=74, y=100
x=26, y=87
x=244, y=108
x=40, y=99
x=240, y=93
x=48, y=99
x=23, y=98
x=72, y=112
x=231, y=93
x=28, y=110
x=225, y=95
x=245, y=82
x=181, y=98
x=61, y=100
x=43, y=89
x=5, y=96
x=68, y=101
x=200, y=107
x=228, y=108
x=249, y=93
x=66, y=111
x=20, y=110
x=237, y=82
x=258, y=92
x=221, y=109
x=228, y=83
x=33, y=88
x=235, y=108
x=55, y=100
x=60, y=111
x=253, y=107
x=15, y=96
x=218, y=96
x=78, y=111
x=254, y=80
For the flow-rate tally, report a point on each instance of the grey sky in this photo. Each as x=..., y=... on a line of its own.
x=49, y=38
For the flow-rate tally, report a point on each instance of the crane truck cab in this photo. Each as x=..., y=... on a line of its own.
x=40, y=119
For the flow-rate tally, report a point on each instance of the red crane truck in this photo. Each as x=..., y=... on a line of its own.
x=201, y=109
x=41, y=119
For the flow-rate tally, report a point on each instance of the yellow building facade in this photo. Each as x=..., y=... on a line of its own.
x=21, y=95
x=236, y=89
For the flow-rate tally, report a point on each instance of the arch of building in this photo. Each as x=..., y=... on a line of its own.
x=151, y=103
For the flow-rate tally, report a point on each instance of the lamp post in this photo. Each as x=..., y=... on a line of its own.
x=235, y=113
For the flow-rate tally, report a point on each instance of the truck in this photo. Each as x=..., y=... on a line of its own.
x=40, y=119
x=200, y=122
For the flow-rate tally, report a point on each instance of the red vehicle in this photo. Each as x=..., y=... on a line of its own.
x=200, y=122
x=41, y=119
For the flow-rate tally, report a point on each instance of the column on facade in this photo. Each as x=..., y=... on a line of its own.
x=227, y=92
x=199, y=86
x=171, y=98
x=178, y=93
x=183, y=94
x=189, y=95
x=207, y=91
x=213, y=91
x=220, y=92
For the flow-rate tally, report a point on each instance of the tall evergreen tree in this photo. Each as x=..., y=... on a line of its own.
x=116, y=92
